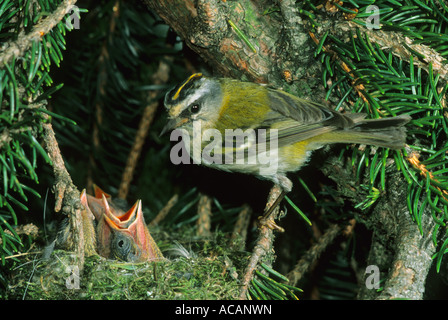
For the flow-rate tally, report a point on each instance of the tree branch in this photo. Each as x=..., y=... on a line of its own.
x=65, y=192
x=17, y=48
x=412, y=259
x=399, y=46
x=263, y=249
x=159, y=78
x=397, y=238
x=206, y=30
x=312, y=254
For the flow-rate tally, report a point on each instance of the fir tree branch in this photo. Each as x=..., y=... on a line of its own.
x=66, y=192
x=15, y=49
x=264, y=245
x=398, y=45
x=397, y=236
x=413, y=159
x=359, y=87
x=313, y=253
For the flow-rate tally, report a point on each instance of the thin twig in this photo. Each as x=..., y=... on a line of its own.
x=241, y=225
x=312, y=254
x=36, y=262
x=162, y=214
x=263, y=249
x=413, y=158
x=204, y=213
x=160, y=77
x=22, y=254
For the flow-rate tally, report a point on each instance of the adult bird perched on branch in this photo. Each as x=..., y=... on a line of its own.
x=250, y=128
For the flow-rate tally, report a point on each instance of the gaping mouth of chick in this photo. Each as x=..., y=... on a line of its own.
x=123, y=221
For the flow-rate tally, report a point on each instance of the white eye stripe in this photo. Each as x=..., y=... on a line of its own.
x=198, y=93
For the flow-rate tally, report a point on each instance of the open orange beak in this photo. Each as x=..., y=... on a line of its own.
x=122, y=235
x=129, y=238
x=95, y=202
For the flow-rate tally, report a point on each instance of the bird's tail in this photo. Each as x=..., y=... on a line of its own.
x=386, y=132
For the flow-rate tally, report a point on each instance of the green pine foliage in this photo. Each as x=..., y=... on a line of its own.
x=96, y=98
x=271, y=286
x=404, y=73
x=107, y=83
x=366, y=76
x=26, y=84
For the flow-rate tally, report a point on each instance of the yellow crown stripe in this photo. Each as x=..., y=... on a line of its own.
x=195, y=75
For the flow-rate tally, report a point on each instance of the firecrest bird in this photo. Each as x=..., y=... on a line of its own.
x=256, y=121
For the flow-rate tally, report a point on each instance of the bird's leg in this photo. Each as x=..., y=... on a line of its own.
x=268, y=218
x=279, y=199
x=282, y=186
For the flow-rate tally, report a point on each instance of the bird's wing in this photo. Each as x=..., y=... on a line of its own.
x=298, y=119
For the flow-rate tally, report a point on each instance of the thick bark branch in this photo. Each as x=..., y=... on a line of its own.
x=205, y=28
x=412, y=259
x=397, y=241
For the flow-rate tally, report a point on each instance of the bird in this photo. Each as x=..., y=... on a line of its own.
x=121, y=235
x=271, y=131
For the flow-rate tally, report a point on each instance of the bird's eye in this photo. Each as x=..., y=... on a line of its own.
x=195, y=108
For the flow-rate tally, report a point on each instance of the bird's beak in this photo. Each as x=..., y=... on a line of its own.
x=99, y=192
x=173, y=124
x=114, y=224
x=95, y=203
x=119, y=219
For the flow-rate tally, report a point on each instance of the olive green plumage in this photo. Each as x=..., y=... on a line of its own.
x=266, y=123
